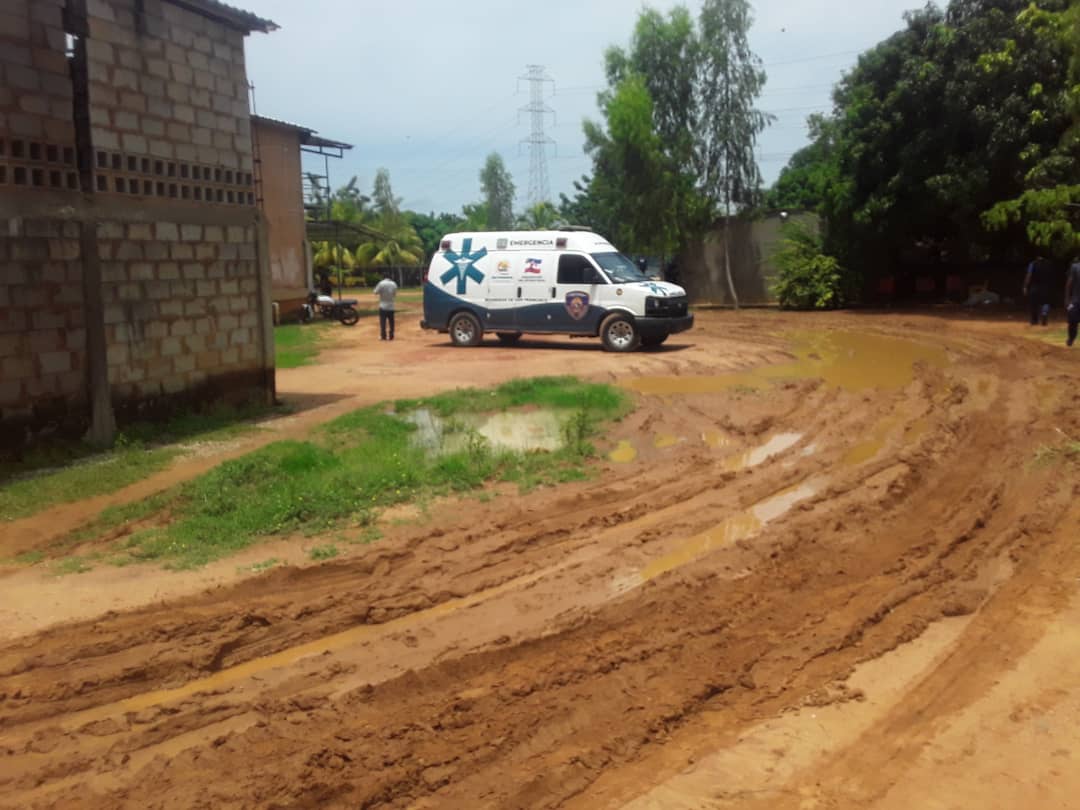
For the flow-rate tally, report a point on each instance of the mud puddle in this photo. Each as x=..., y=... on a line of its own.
x=513, y=430
x=740, y=526
x=851, y=360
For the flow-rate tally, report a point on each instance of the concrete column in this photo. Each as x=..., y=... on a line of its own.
x=102, y=420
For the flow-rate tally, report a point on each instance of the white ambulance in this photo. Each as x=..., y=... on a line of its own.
x=547, y=282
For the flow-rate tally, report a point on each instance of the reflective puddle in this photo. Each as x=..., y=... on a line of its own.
x=737, y=527
x=624, y=453
x=511, y=430
x=854, y=361
x=759, y=455
x=715, y=439
x=665, y=440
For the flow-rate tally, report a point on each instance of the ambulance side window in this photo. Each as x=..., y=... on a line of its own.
x=577, y=270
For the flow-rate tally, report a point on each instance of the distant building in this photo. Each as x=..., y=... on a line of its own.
x=131, y=278
x=278, y=147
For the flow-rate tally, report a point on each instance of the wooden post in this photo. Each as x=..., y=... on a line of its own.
x=102, y=430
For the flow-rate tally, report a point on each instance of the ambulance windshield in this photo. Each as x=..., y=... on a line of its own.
x=619, y=268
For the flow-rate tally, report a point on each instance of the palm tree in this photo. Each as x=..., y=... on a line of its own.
x=399, y=246
x=541, y=217
x=332, y=257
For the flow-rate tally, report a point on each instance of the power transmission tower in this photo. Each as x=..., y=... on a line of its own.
x=538, y=141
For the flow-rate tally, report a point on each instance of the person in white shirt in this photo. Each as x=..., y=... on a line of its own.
x=386, y=290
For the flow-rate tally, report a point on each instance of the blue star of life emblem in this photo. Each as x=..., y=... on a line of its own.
x=656, y=289
x=463, y=266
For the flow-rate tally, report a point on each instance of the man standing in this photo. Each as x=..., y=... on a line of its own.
x=387, y=291
x=1037, y=290
x=1072, y=301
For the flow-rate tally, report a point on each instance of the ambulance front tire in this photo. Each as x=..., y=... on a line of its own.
x=465, y=330
x=618, y=333
x=508, y=338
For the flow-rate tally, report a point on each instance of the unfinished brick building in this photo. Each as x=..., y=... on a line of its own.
x=133, y=273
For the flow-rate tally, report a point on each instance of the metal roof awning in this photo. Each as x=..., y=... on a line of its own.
x=235, y=18
x=309, y=141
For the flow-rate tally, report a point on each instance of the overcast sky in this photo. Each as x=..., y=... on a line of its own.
x=428, y=88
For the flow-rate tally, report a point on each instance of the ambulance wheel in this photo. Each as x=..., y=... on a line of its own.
x=619, y=334
x=508, y=338
x=465, y=330
x=653, y=340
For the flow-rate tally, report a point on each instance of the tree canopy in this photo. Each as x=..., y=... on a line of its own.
x=963, y=108
x=498, y=190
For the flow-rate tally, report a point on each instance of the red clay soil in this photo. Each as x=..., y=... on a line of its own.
x=878, y=610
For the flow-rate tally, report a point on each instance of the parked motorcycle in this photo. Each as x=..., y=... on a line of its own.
x=326, y=306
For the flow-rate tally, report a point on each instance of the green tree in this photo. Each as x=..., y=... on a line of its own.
x=431, y=228
x=959, y=110
x=804, y=184
x=475, y=216
x=730, y=121
x=540, y=217
x=498, y=190
x=1048, y=206
x=386, y=204
x=681, y=125
x=398, y=247
x=633, y=180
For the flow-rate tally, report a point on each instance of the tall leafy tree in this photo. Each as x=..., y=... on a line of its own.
x=386, y=204
x=1048, y=207
x=730, y=122
x=540, y=217
x=498, y=190
x=692, y=156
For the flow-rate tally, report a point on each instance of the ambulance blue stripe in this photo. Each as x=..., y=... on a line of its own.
x=554, y=317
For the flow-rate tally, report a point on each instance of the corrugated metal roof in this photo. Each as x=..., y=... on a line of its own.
x=307, y=135
x=229, y=15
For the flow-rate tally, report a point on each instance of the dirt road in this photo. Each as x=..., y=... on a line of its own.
x=825, y=573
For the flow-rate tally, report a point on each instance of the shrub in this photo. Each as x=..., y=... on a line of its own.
x=809, y=278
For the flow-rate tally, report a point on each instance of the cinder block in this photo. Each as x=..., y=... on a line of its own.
x=193, y=271
x=135, y=102
x=140, y=231
x=230, y=357
x=135, y=144
x=157, y=67
x=161, y=149
x=153, y=127
x=105, y=139
x=195, y=307
x=184, y=363
x=48, y=319
x=170, y=347
x=182, y=328
x=27, y=126
x=119, y=355
x=158, y=290
x=156, y=330
x=124, y=79
x=230, y=288
x=178, y=132
x=194, y=342
x=141, y=271
x=161, y=107
x=75, y=340
x=126, y=251
x=19, y=77
x=208, y=360
x=55, y=362
x=64, y=249
x=184, y=113
x=191, y=233
x=206, y=289
x=172, y=308
x=152, y=86
x=179, y=93
x=18, y=368
x=236, y=234
x=168, y=271
x=227, y=323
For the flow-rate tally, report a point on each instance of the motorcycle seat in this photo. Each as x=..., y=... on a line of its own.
x=351, y=302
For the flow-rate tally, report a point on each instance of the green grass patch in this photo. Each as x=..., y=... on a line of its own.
x=73, y=471
x=259, y=567
x=298, y=344
x=71, y=565
x=327, y=552
x=362, y=462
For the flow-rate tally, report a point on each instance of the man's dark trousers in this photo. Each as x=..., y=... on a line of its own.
x=386, y=316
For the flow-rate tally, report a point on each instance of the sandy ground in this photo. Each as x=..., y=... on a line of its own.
x=824, y=573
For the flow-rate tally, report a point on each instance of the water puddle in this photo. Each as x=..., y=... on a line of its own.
x=665, y=440
x=512, y=430
x=624, y=453
x=737, y=527
x=759, y=455
x=715, y=439
x=855, y=361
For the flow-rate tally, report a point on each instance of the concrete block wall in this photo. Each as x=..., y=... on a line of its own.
x=42, y=337
x=181, y=307
x=168, y=104
x=37, y=133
